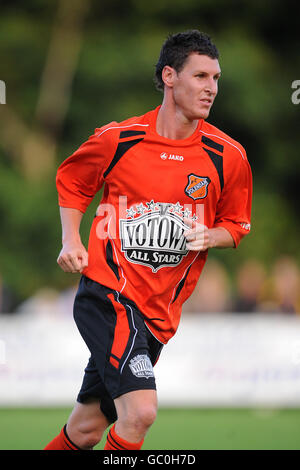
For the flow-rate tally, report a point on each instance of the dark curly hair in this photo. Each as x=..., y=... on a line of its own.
x=178, y=47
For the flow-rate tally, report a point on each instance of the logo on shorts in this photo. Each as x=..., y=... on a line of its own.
x=197, y=186
x=141, y=366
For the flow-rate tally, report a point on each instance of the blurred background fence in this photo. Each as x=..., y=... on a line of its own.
x=213, y=361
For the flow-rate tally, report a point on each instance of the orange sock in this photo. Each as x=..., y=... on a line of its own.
x=62, y=442
x=115, y=442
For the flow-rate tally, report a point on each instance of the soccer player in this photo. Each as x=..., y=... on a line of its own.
x=174, y=187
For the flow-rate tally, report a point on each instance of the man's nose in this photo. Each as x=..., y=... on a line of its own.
x=211, y=87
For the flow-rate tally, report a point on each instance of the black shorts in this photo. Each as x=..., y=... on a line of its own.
x=123, y=351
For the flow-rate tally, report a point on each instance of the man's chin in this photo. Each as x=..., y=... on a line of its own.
x=198, y=114
x=202, y=114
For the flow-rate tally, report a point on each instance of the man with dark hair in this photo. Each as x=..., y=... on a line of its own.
x=175, y=187
x=178, y=47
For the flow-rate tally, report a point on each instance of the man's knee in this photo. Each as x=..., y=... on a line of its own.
x=147, y=415
x=90, y=439
x=136, y=413
x=86, y=425
x=140, y=417
x=84, y=436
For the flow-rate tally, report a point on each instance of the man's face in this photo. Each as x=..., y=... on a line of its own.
x=196, y=85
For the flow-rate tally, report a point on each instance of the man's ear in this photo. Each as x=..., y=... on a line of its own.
x=168, y=75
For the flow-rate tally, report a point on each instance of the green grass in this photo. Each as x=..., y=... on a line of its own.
x=189, y=429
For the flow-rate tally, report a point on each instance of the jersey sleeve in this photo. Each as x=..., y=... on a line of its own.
x=234, y=207
x=80, y=176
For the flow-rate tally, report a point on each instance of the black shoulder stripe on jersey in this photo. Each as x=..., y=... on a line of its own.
x=122, y=148
x=181, y=284
x=110, y=260
x=84, y=194
x=218, y=162
x=154, y=318
x=131, y=133
x=212, y=144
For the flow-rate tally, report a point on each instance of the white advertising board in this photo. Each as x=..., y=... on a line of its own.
x=213, y=360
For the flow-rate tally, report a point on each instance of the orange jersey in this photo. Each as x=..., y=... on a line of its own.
x=151, y=183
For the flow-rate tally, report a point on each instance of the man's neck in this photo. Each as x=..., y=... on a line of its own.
x=174, y=125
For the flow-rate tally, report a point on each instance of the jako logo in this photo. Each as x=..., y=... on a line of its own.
x=165, y=156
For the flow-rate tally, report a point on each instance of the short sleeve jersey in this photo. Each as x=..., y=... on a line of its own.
x=151, y=183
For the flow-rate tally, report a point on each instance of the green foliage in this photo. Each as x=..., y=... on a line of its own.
x=29, y=232
x=120, y=44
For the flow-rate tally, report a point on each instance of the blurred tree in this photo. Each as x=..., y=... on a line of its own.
x=35, y=148
x=72, y=66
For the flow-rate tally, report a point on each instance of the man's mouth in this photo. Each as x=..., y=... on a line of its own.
x=206, y=101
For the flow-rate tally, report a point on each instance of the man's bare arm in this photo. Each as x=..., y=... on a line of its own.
x=73, y=257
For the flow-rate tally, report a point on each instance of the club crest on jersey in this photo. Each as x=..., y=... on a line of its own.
x=152, y=234
x=197, y=186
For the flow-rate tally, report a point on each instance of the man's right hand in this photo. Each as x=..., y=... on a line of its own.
x=73, y=257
